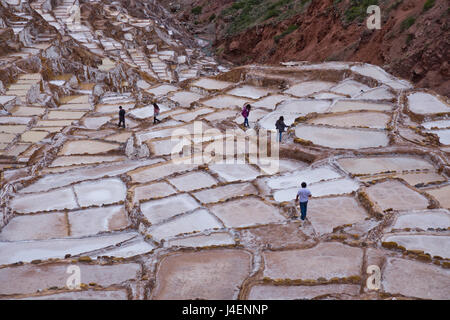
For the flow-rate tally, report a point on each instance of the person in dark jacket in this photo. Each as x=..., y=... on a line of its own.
x=280, y=125
x=121, y=116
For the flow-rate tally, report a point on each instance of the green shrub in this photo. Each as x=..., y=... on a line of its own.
x=409, y=38
x=428, y=5
x=289, y=30
x=407, y=23
x=212, y=17
x=197, y=10
x=358, y=9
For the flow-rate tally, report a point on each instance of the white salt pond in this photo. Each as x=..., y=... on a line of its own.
x=100, y=192
x=350, y=87
x=87, y=147
x=212, y=84
x=27, y=251
x=425, y=103
x=250, y=92
x=310, y=175
x=374, y=120
x=307, y=88
x=303, y=107
x=444, y=136
x=213, y=239
x=235, y=172
x=432, y=244
x=197, y=221
x=162, y=89
x=225, y=101
x=185, y=98
x=435, y=219
x=193, y=181
x=271, y=101
x=357, y=105
x=439, y=124
x=379, y=93
x=342, y=138
x=374, y=165
x=157, y=211
x=319, y=189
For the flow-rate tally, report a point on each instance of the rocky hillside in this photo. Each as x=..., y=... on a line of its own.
x=413, y=41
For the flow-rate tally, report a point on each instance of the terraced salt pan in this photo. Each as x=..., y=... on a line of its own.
x=65, y=115
x=15, y=120
x=374, y=120
x=425, y=103
x=440, y=124
x=379, y=93
x=27, y=111
x=159, y=171
x=44, y=201
x=234, y=172
x=326, y=260
x=193, y=181
x=350, y=87
x=342, y=138
x=157, y=211
x=49, y=129
x=155, y=190
x=320, y=189
x=225, y=192
x=131, y=248
x=36, y=227
x=54, y=123
x=113, y=108
x=212, y=84
x=191, y=115
x=435, y=219
x=220, y=115
x=95, y=122
x=83, y=99
x=374, y=165
x=443, y=134
x=421, y=178
x=380, y=75
x=225, y=101
x=34, y=136
x=100, y=192
x=174, y=131
x=310, y=175
x=84, y=295
x=197, y=221
x=212, y=274
x=168, y=146
x=441, y=195
x=272, y=292
x=87, y=147
x=309, y=87
x=119, y=137
x=395, y=195
x=356, y=105
x=51, y=181
x=13, y=129
x=162, y=90
x=185, y=98
x=327, y=213
x=75, y=160
x=7, y=137
x=271, y=101
x=213, y=239
x=31, y=278
x=303, y=107
x=246, y=212
x=92, y=221
x=428, y=282
x=147, y=112
x=251, y=92
x=27, y=251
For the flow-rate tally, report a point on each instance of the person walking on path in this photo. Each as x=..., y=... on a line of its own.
x=245, y=113
x=155, y=113
x=280, y=125
x=303, y=196
x=121, y=116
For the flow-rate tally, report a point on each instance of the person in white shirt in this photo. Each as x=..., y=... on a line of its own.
x=303, y=196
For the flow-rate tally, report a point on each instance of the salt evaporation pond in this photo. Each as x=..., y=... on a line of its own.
x=342, y=138
x=425, y=103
